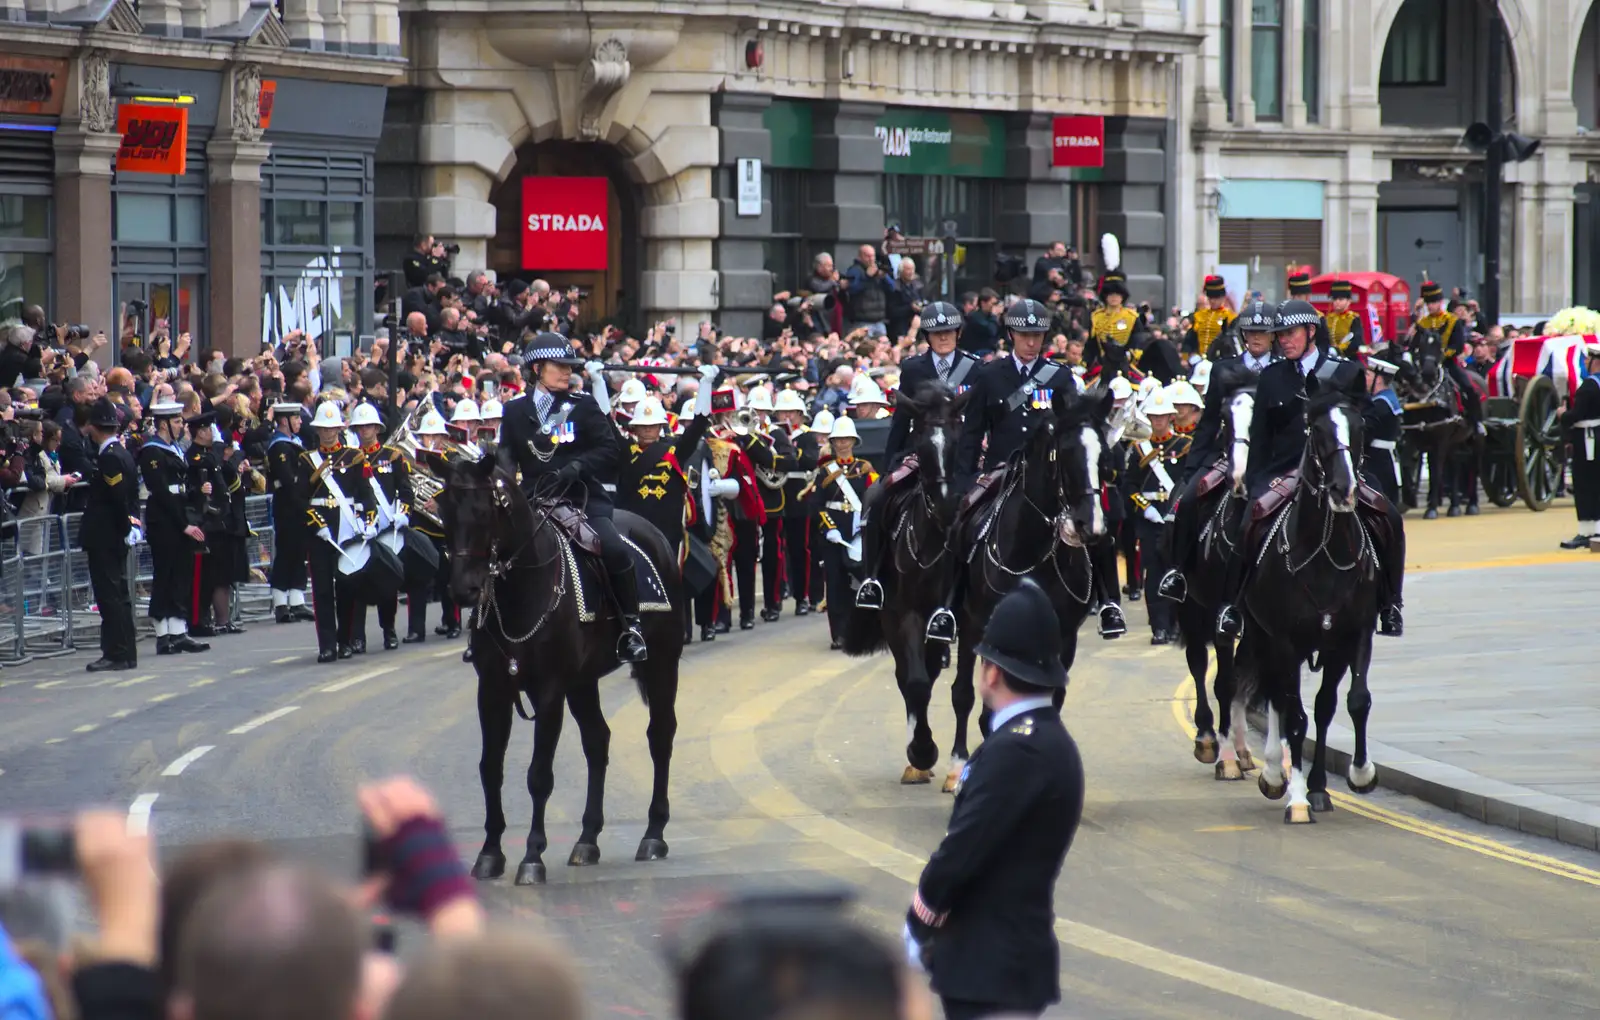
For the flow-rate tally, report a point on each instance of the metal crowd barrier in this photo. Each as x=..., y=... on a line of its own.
x=46, y=603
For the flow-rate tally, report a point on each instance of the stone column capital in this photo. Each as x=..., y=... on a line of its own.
x=233, y=159
x=82, y=153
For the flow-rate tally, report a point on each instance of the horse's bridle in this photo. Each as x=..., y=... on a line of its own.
x=498, y=566
x=1320, y=461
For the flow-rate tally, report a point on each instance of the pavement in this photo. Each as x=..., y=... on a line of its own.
x=1182, y=896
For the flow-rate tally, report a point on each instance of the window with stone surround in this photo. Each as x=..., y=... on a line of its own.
x=1266, y=58
x=1414, y=52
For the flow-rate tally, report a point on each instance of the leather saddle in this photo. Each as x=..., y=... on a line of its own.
x=977, y=502
x=574, y=524
x=1279, y=492
x=1214, y=477
x=906, y=469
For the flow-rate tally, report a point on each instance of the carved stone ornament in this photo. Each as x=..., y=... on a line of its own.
x=247, y=103
x=95, y=107
x=605, y=73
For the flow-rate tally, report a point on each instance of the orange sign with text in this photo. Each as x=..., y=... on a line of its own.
x=268, y=96
x=155, y=139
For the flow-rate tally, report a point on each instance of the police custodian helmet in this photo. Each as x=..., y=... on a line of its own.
x=1295, y=312
x=1027, y=316
x=1258, y=317
x=552, y=347
x=1023, y=637
x=940, y=317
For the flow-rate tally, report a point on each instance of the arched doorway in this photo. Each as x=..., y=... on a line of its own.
x=613, y=292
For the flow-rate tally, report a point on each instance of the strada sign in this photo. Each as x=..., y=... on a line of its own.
x=564, y=222
x=1079, y=141
x=937, y=143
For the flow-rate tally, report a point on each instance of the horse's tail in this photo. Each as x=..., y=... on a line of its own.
x=863, y=631
x=1246, y=677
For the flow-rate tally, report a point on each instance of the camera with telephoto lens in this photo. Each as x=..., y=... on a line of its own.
x=452, y=249
x=32, y=849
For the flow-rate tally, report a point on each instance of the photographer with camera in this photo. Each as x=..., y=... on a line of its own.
x=428, y=257
x=21, y=358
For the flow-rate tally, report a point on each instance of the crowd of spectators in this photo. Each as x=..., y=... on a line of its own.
x=231, y=930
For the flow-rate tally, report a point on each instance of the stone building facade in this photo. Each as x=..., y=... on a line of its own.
x=269, y=122
x=1331, y=134
x=935, y=114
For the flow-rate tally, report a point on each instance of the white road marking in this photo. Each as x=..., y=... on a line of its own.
x=135, y=680
x=85, y=728
x=359, y=678
x=242, y=672
x=139, y=813
x=122, y=713
x=262, y=720
x=446, y=653
x=48, y=684
x=203, y=682
x=177, y=767
x=286, y=660
x=165, y=697
x=56, y=740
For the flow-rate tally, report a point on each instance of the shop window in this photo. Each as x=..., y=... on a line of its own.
x=24, y=281
x=785, y=254
x=190, y=217
x=1266, y=58
x=144, y=219
x=1311, y=60
x=24, y=218
x=298, y=222
x=1414, y=54
x=344, y=224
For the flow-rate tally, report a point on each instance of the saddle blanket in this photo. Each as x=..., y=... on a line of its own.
x=588, y=581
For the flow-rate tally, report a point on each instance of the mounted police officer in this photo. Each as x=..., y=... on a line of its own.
x=110, y=528
x=286, y=481
x=1381, y=421
x=945, y=363
x=172, y=527
x=1010, y=395
x=1257, y=326
x=555, y=436
x=1277, y=443
x=1455, y=338
x=982, y=920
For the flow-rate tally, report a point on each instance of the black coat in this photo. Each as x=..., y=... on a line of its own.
x=589, y=449
x=1207, y=446
x=113, y=499
x=1278, y=428
x=915, y=372
x=989, y=414
x=1381, y=423
x=652, y=483
x=169, y=507
x=994, y=874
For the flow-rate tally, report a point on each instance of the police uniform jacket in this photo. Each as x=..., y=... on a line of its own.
x=1009, y=424
x=170, y=507
x=807, y=452
x=585, y=447
x=990, y=887
x=1278, y=427
x=652, y=483
x=915, y=372
x=344, y=467
x=1380, y=421
x=113, y=498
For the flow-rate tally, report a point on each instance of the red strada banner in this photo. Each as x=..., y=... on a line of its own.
x=1079, y=141
x=564, y=222
x=155, y=139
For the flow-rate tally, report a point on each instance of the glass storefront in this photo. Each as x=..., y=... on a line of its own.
x=316, y=243
x=24, y=254
x=159, y=253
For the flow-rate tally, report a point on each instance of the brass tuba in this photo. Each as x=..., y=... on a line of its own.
x=425, y=486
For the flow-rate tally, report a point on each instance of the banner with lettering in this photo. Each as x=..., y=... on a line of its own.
x=155, y=139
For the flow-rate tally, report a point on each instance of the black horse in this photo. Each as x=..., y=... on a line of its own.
x=1434, y=422
x=512, y=560
x=1048, y=510
x=1219, y=502
x=1313, y=598
x=915, y=527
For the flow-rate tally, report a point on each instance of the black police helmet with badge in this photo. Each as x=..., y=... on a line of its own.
x=1023, y=637
x=548, y=346
x=941, y=317
x=1259, y=317
x=1295, y=312
x=103, y=415
x=1027, y=316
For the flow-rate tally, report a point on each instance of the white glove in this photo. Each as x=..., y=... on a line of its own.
x=594, y=367
x=402, y=520
x=325, y=534
x=369, y=530
x=709, y=372
x=913, y=948
x=702, y=397
x=834, y=536
x=134, y=537
x=1153, y=515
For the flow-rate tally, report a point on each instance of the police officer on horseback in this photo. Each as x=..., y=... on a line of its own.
x=945, y=363
x=563, y=443
x=1258, y=325
x=1455, y=337
x=1010, y=395
x=1277, y=444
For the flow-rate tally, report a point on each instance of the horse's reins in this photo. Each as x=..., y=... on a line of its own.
x=992, y=546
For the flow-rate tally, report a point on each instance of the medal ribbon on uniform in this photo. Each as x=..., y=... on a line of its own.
x=566, y=432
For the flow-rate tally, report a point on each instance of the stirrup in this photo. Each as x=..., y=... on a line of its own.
x=1112, y=623
x=1173, y=585
x=941, y=626
x=870, y=594
x=1392, y=624
x=631, y=646
x=1228, y=623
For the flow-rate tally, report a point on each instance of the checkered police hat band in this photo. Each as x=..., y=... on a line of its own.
x=1299, y=319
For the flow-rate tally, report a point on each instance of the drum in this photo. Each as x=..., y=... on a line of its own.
x=419, y=558
x=699, y=566
x=371, y=569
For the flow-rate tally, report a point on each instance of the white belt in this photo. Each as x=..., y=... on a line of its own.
x=1381, y=444
x=1155, y=497
x=1588, y=425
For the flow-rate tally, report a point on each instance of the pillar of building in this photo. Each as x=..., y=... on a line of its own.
x=84, y=164
x=844, y=207
x=745, y=285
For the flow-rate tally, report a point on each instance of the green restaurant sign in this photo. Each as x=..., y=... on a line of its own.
x=935, y=143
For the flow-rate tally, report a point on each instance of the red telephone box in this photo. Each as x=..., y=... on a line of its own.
x=1389, y=296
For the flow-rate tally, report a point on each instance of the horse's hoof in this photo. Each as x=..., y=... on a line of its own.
x=1272, y=791
x=914, y=776
x=1363, y=779
x=1472, y=510
x=1205, y=749
x=1298, y=814
x=531, y=873
x=651, y=849
x=1247, y=761
x=583, y=855
x=489, y=866
x=1320, y=801
x=951, y=781
x=1229, y=771
x=1431, y=515
x=1454, y=511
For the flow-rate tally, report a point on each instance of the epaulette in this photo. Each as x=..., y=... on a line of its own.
x=1022, y=727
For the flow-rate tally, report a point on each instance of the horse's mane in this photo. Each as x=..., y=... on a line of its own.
x=928, y=397
x=1231, y=377
x=1325, y=400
